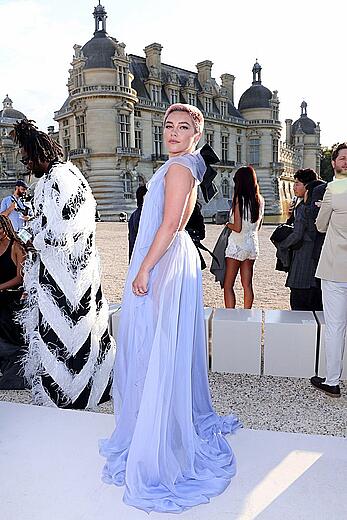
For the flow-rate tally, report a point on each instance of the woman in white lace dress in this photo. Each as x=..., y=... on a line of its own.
x=243, y=246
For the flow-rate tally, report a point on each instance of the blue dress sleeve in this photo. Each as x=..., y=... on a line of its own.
x=194, y=162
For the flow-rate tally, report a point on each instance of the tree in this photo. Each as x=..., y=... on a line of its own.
x=326, y=169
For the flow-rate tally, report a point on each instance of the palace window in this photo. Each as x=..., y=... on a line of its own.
x=254, y=151
x=208, y=104
x=79, y=78
x=209, y=139
x=81, y=131
x=275, y=150
x=226, y=188
x=223, y=108
x=157, y=140
x=137, y=112
x=155, y=93
x=275, y=112
x=124, y=130
x=173, y=95
x=122, y=76
x=127, y=186
x=66, y=144
x=138, y=139
x=225, y=147
x=238, y=153
x=191, y=98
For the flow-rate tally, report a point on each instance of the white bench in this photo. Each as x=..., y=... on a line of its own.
x=114, y=315
x=113, y=318
x=290, y=343
x=321, y=348
x=208, y=311
x=236, y=341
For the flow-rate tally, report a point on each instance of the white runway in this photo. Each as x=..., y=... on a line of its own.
x=50, y=470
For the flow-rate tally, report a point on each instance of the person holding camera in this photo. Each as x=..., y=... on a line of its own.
x=13, y=206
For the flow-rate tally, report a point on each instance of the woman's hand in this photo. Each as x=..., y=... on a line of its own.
x=140, y=284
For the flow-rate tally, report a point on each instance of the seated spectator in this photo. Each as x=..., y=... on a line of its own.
x=305, y=292
x=12, y=256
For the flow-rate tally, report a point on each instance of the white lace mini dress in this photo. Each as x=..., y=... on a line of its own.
x=245, y=245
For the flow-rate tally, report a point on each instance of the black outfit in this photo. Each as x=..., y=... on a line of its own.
x=133, y=227
x=300, y=244
x=11, y=339
x=196, y=229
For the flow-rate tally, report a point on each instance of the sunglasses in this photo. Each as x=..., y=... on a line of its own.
x=25, y=161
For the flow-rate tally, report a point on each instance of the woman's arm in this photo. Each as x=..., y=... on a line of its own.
x=18, y=256
x=237, y=224
x=178, y=186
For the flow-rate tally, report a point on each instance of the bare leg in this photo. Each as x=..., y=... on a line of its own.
x=246, y=272
x=231, y=269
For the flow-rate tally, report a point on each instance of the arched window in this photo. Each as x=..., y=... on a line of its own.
x=226, y=188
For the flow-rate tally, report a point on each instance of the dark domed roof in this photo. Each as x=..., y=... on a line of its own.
x=257, y=96
x=304, y=123
x=307, y=125
x=99, y=51
x=9, y=112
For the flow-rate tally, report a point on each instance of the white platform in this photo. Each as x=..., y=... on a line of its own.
x=290, y=339
x=236, y=341
x=113, y=318
x=208, y=312
x=50, y=469
x=321, y=351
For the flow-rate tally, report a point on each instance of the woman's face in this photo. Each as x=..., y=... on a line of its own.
x=180, y=136
x=299, y=188
x=2, y=233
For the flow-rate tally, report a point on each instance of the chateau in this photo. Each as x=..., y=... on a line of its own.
x=110, y=124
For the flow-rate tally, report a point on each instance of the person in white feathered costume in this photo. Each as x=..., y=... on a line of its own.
x=71, y=354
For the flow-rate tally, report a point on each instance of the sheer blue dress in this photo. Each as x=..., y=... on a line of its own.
x=168, y=448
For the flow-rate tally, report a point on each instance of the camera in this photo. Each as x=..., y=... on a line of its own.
x=24, y=235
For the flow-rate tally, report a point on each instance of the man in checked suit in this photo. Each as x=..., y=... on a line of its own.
x=332, y=269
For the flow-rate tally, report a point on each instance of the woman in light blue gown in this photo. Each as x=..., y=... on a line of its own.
x=169, y=448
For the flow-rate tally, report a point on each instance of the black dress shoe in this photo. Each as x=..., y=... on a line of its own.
x=318, y=382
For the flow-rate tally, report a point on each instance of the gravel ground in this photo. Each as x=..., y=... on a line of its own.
x=261, y=402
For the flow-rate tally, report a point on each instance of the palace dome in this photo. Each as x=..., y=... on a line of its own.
x=9, y=112
x=99, y=51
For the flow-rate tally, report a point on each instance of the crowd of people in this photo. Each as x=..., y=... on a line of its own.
x=54, y=318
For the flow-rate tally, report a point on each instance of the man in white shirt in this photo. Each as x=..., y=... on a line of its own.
x=332, y=269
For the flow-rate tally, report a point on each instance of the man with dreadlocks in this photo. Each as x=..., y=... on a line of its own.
x=71, y=354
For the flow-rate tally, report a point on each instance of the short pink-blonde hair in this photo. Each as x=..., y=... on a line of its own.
x=194, y=112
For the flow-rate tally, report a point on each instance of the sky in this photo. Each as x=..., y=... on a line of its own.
x=300, y=46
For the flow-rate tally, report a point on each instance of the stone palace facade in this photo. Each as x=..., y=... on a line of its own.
x=110, y=124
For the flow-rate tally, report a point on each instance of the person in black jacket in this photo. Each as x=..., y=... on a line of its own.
x=134, y=220
x=305, y=292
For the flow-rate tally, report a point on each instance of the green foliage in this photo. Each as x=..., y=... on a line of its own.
x=326, y=169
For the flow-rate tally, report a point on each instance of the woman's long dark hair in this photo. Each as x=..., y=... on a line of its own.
x=9, y=231
x=246, y=193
